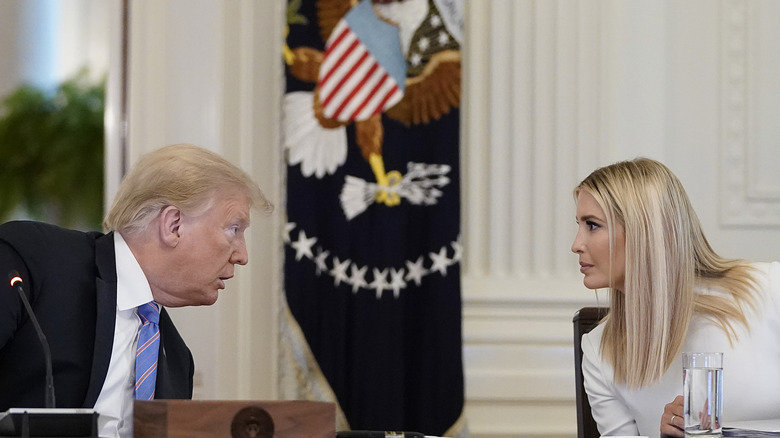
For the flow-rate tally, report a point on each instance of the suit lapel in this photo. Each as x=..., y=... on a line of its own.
x=174, y=371
x=174, y=364
x=105, y=283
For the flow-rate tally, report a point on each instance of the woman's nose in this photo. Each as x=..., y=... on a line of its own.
x=576, y=245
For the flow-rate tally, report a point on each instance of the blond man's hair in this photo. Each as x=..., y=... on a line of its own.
x=667, y=256
x=186, y=176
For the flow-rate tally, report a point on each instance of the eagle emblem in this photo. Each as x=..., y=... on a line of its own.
x=400, y=58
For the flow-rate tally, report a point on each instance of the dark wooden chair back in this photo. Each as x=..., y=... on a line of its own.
x=584, y=321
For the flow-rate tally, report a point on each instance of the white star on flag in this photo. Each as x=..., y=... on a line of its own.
x=458, y=248
x=440, y=261
x=358, y=277
x=339, y=271
x=416, y=270
x=397, y=281
x=303, y=246
x=380, y=281
x=320, y=261
x=289, y=226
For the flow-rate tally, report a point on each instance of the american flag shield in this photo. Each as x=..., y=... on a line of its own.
x=363, y=71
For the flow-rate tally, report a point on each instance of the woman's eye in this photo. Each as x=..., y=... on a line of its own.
x=591, y=225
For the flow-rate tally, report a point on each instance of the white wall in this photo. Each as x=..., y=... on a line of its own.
x=552, y=89
x=209, y=72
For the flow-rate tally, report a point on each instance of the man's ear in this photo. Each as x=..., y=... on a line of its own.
x=170, y=226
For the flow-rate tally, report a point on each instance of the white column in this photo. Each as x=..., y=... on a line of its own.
x=209, y=72
x=532, y=128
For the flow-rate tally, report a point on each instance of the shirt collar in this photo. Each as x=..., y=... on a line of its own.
x=132, y=287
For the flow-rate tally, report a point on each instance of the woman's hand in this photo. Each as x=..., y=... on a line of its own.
x=672, y=421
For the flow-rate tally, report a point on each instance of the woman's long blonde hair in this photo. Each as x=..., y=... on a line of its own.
x=666, y=255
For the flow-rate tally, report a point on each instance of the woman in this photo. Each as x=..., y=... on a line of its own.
x=669, y=292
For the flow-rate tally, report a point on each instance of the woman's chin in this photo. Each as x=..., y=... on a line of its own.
x=593, y=285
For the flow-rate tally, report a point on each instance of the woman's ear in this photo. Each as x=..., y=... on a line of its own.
x=170, y=226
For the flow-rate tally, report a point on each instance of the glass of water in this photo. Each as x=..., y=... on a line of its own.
x=703, y=394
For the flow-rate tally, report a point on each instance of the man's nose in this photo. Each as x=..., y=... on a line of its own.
x=240, y=255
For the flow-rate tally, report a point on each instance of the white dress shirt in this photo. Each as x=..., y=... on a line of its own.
x=751, y=374
x=115, y=402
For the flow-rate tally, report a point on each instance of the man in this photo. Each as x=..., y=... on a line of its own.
x=174, y=236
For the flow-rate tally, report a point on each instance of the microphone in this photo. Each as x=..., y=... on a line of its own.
x=16, y=280
x=48, y=421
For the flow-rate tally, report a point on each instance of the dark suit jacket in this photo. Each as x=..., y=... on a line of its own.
x=70, y=279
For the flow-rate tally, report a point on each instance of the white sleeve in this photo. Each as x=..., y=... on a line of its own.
x=610, y=412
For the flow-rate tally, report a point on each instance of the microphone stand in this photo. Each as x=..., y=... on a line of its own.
x=50, y=403
x=19, y=421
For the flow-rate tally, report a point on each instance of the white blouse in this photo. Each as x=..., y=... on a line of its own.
x=751, y=370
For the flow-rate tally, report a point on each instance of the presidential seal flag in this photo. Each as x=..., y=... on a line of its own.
x=363, y=71
x=372, y=238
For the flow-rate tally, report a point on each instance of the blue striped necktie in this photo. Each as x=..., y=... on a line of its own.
x=146, y=352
